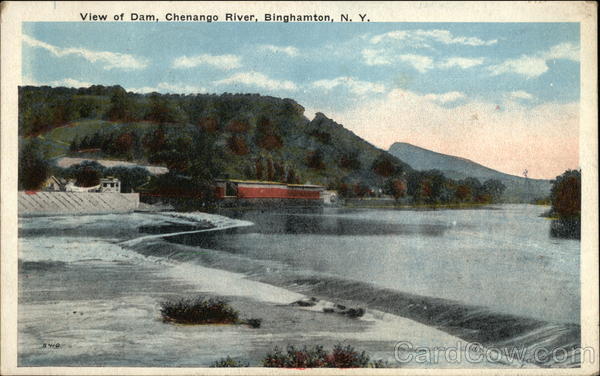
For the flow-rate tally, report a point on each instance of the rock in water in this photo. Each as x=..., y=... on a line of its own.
x=306, y=302
x=355, y=312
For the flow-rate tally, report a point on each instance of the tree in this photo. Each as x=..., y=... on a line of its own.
x=350, y=161
x=292, y=177
x=74, y=145
x=413, y=184
x=436, y=182
x=204, y=164
x=384, y=166
x=566, y=194
x=494, y=188
x=344, y=190
x=119, y=109
x=237, y=145
x=238, y=126
x=470, y=189
x=270, y=170
x=395, y=187
x=161, y=109
x=360, y=190
x=87, y=173
x=258, y=167
x=279, y=173
x=33, y=167
x=315, y=160
x=124, y=143
x=463, y=193
x=248, y=172
x=156, y=140
x=267, y=136
x=209, y=124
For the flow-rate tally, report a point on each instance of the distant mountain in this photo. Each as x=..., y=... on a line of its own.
x=518, y=189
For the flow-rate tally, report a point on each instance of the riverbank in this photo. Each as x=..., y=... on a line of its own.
x=86, y=299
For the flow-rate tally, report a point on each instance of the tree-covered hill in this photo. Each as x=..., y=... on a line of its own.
x=246, y=136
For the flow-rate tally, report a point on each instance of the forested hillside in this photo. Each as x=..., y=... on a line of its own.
x=245, y=136
x=202, y=137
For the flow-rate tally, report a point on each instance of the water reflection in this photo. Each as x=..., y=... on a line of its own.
x=566, y=228
x=311, y=222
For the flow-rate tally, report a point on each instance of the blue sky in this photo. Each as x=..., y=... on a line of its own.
x=336, y=68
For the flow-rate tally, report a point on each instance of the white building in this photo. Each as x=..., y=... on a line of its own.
x=330, y=197
x=110, y=184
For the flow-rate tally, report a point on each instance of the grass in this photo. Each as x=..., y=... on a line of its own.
x=58, y=139
x=202, y=311
x=198, y=311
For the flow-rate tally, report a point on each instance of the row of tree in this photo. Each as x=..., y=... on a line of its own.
x=193, y=164
x=429, y=187
x=267, y=169
x=44, y=108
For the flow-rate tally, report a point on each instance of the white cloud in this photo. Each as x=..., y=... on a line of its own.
x=419, y=38
x=419, y=62
x=70, y=82
x=375, y=57
x=225, y=62
x=165, y=87
x=461, y=62
x=398, y=35
x=65, y=82
x=535, y=65
x=520, y=94
x=449, y=97
x=110, y=60
x=257, y=79
x=287, y=50
x=355, y=86
x=527, y=66
x=567, y=51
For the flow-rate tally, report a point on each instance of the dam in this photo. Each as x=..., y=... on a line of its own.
x=36, y=203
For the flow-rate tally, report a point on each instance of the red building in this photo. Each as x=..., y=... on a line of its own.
x=249, y=189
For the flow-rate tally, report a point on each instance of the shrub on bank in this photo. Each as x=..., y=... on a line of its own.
x=230, y=362
x=317, y=357
x=198, y=311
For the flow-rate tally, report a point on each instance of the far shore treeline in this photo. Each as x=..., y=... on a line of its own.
x=202, y=137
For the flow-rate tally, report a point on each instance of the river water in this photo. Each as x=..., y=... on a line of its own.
x=490, y=275
x=502, y=258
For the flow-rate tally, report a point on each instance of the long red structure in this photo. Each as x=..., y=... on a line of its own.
x=248, y=189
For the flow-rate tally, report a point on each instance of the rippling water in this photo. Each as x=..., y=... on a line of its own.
x=491, y=275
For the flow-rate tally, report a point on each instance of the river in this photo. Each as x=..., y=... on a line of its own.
x=490, y=275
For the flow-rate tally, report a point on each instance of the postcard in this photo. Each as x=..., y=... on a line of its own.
x=389, y=188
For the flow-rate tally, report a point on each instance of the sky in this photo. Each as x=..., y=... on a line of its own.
x=505, y=95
